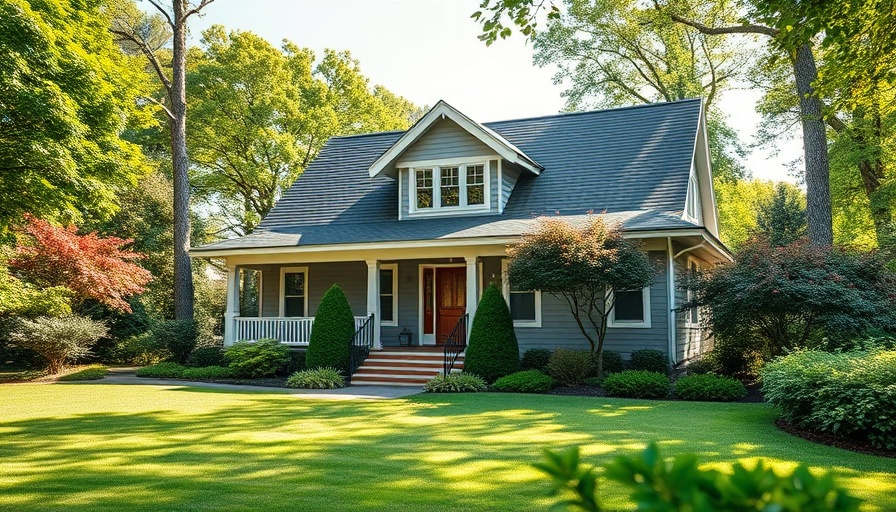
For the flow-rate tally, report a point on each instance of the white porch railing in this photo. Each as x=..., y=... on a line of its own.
x=288, y=330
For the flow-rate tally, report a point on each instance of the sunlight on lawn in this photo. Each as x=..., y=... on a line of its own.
x=103, y=447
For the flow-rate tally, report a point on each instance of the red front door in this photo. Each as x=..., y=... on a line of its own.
x=451, y=300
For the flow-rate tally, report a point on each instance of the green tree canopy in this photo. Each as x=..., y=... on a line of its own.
x=782, y=217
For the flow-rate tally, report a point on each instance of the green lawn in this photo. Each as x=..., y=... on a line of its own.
x=80, y=447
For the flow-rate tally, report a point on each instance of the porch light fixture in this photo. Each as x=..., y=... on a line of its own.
x=405, y=337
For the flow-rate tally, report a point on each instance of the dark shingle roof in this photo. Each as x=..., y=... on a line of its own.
x=632, y=162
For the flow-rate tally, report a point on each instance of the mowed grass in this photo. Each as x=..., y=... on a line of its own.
x=80, y=447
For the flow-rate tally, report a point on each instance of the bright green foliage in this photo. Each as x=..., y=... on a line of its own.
x=178, y=336
x=571, y=367
x=530, y=381
x=89, y=373
x=780, y=298
x=205, y=356
x=141, y=350
x=492, y=351
x=166, y=370
x=456, y=383
x=58, y=339
x=578, y=264
x=637, y=384
x=317, y=378
x=332, y=332
x=207, y=373
x=782, y=218
x=18, y=298
x=67, y=94
x=536, y=359
x=251, y=360
x=659, y=485
x=649, y=360
x=709, y=388
x=849, y=394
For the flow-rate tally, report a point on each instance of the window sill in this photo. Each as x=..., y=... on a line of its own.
x=449, y=211
x=388, y=324
x=633, y=325
x=526, y=323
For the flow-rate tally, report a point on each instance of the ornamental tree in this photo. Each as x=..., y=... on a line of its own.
x=92, y=267
x=795, y=296
x=580, y=264
x=493, y=351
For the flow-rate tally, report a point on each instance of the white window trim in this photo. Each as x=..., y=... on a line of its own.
x=687, y=320
x=260, y=287
x=394, y=268
x=505, y=289
x=692, y=200
x=645, y=303
x=436, y=165
x=291, y=270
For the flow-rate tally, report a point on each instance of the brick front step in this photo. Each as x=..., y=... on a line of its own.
x=402, y=367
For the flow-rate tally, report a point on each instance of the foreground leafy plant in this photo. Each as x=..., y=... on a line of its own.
x=680, y=485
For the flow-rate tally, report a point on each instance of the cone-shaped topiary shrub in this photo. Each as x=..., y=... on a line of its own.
x=331, y=334
x=492, y=351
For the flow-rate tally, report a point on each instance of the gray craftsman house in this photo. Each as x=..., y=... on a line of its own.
x=414, y=224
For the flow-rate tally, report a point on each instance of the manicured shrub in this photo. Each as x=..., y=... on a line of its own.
x=141, y=350
x=709, y=388
x=493, y=351
x=296, y=362
x=207, y=373
x=536, y=359
x=89, y=373
x=612, y=362
x=572, y=367
x=317, y=378
x=649, y=360
x=529, y=381
x=251, y=360
x=594, y=381
x=58, y=339
x=178, y=336
x=637, y=384
x=456, y=383
x=166, y=370
x=850, y=394
x=332, y=332
x=705, y=365
x=206, y=356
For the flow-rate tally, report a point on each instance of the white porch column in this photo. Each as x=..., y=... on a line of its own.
x=373, y=300
x=472, y=290
x=233, y=305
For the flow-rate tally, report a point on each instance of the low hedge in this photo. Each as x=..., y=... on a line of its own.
x=529, y=381
x=456, y=383
x=165, y=370
x=649, y=360
x=206, y=356
x=207, y=373
x=637, y=384
x=90, y=373
x=317, y=378
x=536, y=359
x=572, y=367
x=254, y=359
x=850, y=394
x=709, y=388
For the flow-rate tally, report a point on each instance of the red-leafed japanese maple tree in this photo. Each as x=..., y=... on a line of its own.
x=91, y=266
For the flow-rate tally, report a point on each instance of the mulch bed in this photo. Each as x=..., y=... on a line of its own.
x=754, y=394
x=832, y=440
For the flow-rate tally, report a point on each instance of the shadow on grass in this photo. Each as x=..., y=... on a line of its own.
x=148, y=448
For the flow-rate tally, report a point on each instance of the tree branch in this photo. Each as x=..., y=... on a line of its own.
x=163, y=11
x=150, y=56
x=195, y=10
x=734, y=29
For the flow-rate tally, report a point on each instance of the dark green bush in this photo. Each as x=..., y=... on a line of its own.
x=706, y=365
x=59, y=340
x=178, y=336
x=649, y=360
x=850, y=395
x=572, y=367
x=493, y=351
x=206, y=356
x=296, y=362
x=456, y=383
x=612, y=362
x=141, y=350
x=737, y=356
x=332, y=332
x=594, y=381
x=658, y=484
x=166, y=370
x=709, y=388
x=637, y=384
x=536, y=359
x=90, y=373
x=251, y=360
x=207, y=373
x=317, y=378
x=529, y=381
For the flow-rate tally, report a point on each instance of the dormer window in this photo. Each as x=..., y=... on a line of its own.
x=441, y=188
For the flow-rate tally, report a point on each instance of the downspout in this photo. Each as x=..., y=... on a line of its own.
x=670, y=274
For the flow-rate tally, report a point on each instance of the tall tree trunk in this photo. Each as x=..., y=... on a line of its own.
x=183, y=272
x=815, y=147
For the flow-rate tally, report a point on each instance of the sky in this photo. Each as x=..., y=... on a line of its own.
x=427, y=50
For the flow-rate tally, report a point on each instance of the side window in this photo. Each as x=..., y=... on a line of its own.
x=631, y=308
x=389, y=294
x=525, y=305
x=294, y=294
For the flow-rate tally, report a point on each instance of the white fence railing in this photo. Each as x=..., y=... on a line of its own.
x=288, y=330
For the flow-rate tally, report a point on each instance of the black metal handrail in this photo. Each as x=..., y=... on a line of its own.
x=456, y=343
x=359, y=346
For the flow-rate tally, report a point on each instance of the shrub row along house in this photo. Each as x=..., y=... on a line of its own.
x=413, y=225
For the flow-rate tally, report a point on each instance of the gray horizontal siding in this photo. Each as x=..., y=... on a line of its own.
x=445, y=139
x=350, y=276
x=509, y=175
x=690, y=341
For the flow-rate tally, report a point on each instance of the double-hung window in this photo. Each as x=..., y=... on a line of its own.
x=294, y=291
x=525, y=305
x=631, y=308
x=389, y=294
x=447, y=187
